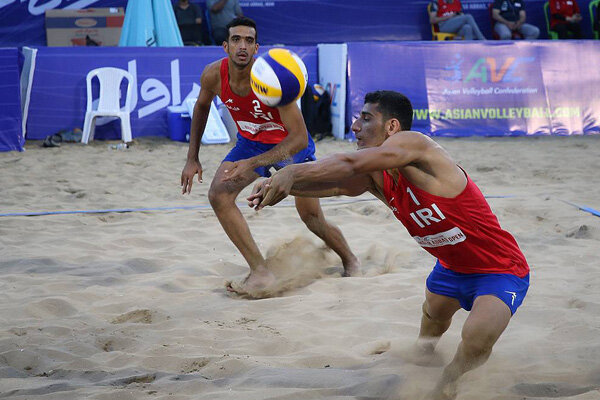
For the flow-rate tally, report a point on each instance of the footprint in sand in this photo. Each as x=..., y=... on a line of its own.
x=581, y=232
x=51, y=308
x=551, y=389
x=115, y=343
x=373, y=348
x=23, y=360
x=136, y=316
x=196, y=365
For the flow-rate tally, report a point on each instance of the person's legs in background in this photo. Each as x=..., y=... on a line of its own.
x=466, y=32
x=503, y=32
x=457, y=25
x=562, y=30
x=575, y=28
x=529, y=31
x=476, y=32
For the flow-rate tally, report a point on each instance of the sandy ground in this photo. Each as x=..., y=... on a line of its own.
x=132, y=305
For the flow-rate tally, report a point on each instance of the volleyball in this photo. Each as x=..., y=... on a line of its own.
x=278, y=77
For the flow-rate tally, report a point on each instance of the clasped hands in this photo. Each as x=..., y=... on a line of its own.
x=270, y=191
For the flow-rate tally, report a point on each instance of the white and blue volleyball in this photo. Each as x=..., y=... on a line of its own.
x=278, y=77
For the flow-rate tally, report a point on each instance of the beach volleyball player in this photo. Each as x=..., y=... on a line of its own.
x=268, y=137
x=479, y=265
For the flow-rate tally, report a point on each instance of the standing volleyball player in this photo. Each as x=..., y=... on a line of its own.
x=479, y=265
x=267, y=137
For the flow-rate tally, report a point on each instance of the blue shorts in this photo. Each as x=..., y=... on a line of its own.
x=467, y=287
x=246, y=148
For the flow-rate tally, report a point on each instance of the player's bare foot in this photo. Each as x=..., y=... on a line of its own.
x=423, y=354
x=352, y=267
x=256, y=284
x=443, y=391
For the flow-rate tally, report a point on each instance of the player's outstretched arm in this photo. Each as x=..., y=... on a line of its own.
x=397, y=151
x=279, y=183
x=208, y=90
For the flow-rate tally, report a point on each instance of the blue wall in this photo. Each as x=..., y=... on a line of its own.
x=163, y=77
x=10, y=101
x=302, y=22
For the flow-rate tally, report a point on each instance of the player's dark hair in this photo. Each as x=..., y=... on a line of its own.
x=392, y=105
x=242, y=21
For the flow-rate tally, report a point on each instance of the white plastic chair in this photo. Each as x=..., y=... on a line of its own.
x=108, y=102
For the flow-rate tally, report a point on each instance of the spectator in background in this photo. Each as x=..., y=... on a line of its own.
x=450, y=18
x=189, y=21
x=222, y=12
x=510, y=17
x=565, y=17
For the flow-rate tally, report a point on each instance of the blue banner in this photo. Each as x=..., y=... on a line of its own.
x=162, y=77
x=487, y=89
x=22, y=21
x=290, y=21
x=11, y=136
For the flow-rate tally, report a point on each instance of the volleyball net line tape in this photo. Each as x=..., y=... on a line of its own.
x=197, y=207
x=201, y=207
x=583, y=208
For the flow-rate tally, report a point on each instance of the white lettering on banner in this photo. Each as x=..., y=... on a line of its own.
x=449, y=237
x=153, y=89
x=254, y=129
x=157, y=92
x=80, y=4
x=132, y=68
x=175, y=84
x=35, y=9
x=494, y=90
x=4, y=3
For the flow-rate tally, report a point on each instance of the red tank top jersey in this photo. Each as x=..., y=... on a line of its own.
x=461, y=232
x=566, y=8
x=447, y=8
x=255, y=120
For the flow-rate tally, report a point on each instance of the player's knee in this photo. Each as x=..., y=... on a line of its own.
x=431, y=315
x=219, y=197
x=478, y=342
x=310, y=218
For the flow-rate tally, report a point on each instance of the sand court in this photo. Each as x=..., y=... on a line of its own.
x=133, y=306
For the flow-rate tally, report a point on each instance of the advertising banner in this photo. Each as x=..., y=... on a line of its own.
x=162, y=77
x=11, y=134
x=22, y=21
x=487, y=89
x=333, y=59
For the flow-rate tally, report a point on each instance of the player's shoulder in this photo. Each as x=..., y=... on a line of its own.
x=409, y=138
x=211, y=76
x=212, y=71
x=214, y=67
